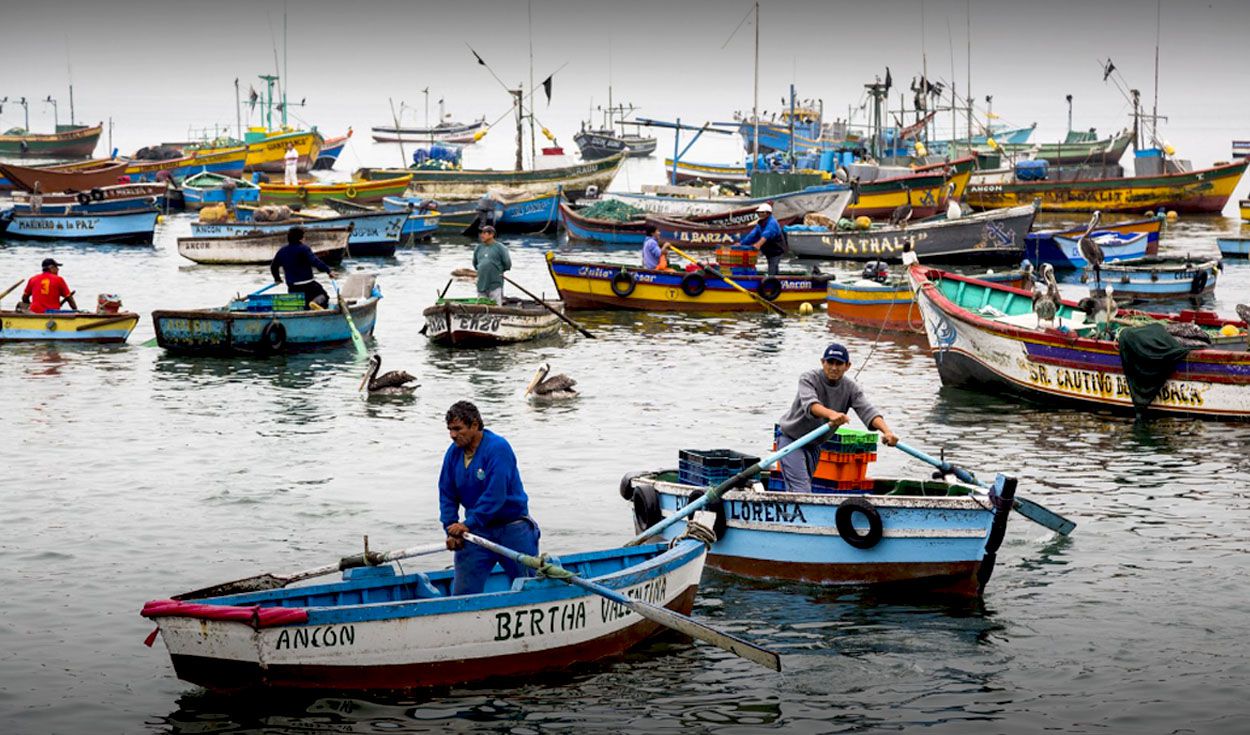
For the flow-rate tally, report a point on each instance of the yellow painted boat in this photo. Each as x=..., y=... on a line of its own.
x=1195, y=192
x=310, y=193
x=1244, y=204
x=66, y=326
x=266, y=150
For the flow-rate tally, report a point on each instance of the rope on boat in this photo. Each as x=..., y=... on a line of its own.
x=695, y=531
x=547, y=570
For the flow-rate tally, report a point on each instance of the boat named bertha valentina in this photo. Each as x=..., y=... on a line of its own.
x=378, y=630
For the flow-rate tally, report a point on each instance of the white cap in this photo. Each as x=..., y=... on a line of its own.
x=765, y=207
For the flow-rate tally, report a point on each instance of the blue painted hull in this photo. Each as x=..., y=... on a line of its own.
x=327, y=157
x=108, y=205
x=132, y=227
x=373, y=234
x=197, y=198
x=1236, y=246
x=1162, y=281
x=221, y=332
x=540, y=214
x=182, y=172
x=1063, y=252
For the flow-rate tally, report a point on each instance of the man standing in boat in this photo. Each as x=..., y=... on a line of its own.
x=824, y=395
x=490, y=260
x=297, y=261
x=45, y=291
x=480, y=474
x=291, y=164
x=767, y=238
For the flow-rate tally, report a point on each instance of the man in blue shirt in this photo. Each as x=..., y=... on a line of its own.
x=652, y=254
x=297, y=261
x=767, y=238
x=480, y=474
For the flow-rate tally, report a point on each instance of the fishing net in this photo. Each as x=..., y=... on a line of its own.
x=613, y=211
x=1149, y=355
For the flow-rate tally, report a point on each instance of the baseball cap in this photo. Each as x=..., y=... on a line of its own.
x=487, y=228
x=836, y=352
x=765, y=207
x=49, y=261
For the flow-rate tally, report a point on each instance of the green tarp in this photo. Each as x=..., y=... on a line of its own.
x=1149, y=355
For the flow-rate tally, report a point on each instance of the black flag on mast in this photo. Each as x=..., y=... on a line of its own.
x=475, y=55
x=547, y=87
x=889, y=80
x=1106, y=70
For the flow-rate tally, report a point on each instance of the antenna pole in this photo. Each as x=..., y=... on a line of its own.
x=238, y=113
x=519, y=94
x=968, y=88
x=755, y=106
x=533, y=140
x=1154, y=112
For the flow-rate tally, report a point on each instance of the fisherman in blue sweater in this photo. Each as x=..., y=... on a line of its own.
x=296, y=261
x=480, y=474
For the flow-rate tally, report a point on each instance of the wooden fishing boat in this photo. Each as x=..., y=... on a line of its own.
x=508, y=212
x=591, y=285
x=446, y=132
x=573, y=179
x=66, y=326
x=99, y=174
x=1244, y=207
x=727, y=229
x=596, y=144
x=373, y=234
x=1157, y=278
x=985, y=336
x=310, y=193
x=130, y=226
x=203, y=189
x=698, y=231
x=1235, y=247
x=888, y=304
x=926, y=193
x=380, y=630
x=1115, y=247
x=1003, y=136
x=1040, y=245
x=713, y=173
x=233, y=330
x=605, y=231
x=483, y=323
x=422, y=222
x=975, y=238
x=103, y=199
x=69, y=141
x=227, y=243
x=1197, y=192
x=224, y=161
x=266, y=149
x=330, y=150
x=830, y=201
x=638, y=146
x=919, y=533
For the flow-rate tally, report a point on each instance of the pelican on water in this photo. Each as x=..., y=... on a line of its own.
x=556, y=386
x=394, y=383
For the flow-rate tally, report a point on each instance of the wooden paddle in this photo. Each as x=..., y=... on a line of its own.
x=726, y=279
x=105, y=322
x=357, y=340
x=262, y=582
x=748, y=474
x=654, y=613
x=9, y=290
x=551, y=308
x=1035, y=512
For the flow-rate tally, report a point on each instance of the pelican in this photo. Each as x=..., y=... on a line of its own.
x=1090, y=250
x=953, y=209
x=1243, y=312
x=1046, y=300
x=394, y=383
x=557, y=386
x=1026, y=274
x=902, y=214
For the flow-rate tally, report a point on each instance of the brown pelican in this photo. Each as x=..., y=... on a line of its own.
x=902, y=214
x=1243, y=312
x=1046, y=300
x=1090, y=250
x=557, y=386
x=394, y=383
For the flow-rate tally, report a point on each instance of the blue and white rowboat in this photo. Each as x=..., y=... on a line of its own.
x=927, y=533
x=1234, y=246
x=378, y=630
x=1115, y=247
x=1157, y=278
x=134, y=226
x=206, y=188
x=372, y=233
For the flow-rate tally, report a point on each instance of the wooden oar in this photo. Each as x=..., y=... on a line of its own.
x=357, y=340
x=105, y=322
x=263, y=289
x=262, y=582
x=1035, y=512
x=9, y=290
x=425, y=328
x=654, y=613
x=727, y=279
x=551, y=308
x=711, y=496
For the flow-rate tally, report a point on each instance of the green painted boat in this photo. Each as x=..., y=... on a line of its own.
x=471, y=183
x=69, y=141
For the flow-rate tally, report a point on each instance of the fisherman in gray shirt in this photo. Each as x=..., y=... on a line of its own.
x=825, y=395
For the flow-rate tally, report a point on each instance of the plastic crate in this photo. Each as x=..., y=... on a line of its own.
x=822, y=487
x=289, y=302
x=735, y=258
x=737, y=271
x=710, y=466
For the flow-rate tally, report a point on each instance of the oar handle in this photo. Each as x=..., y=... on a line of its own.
x=9, y=290
x=550, y=308
x=715, y=493
x=260, y=291
x=946, y=467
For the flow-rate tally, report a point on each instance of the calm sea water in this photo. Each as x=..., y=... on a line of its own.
x=130, y=474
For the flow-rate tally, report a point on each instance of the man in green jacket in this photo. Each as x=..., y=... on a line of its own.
x=490, y=259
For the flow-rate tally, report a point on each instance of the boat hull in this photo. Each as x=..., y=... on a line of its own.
x=830, y=201
x=461, y=133
x=889, y=306
x=1194, y=192
x=219, y=332
x=432, y=641
x=486, y=325
x=66, y=327
x=50, y=180
x=245, y=243
x=977, y=238
x=532, y=214
x=687, y=171
x=314, y=194
x=75, y=143
x=268, y=153
x=596, y=145
x=329, y=153
x=372, y=233
x=469, y=184
x=1041, y=247
x=1166, y=280
x=1236, y=247
x=115, y=198
x=129, y=227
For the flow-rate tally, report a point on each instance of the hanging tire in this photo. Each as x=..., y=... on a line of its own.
x=351, y=192
x=1199, y=284
x=83, y=198
x=273, y=337
x=721, y=524
x=693, y=284
x=623, y=284
x=646, y=508
x=846, y=529
x=302, y=193
x=97, y=195
x=627, y=484
x=770, y=288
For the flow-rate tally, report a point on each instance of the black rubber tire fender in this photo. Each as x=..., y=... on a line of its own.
x=721, y=524
x=770, y=288
x=846, y=528
x=1199, y=283
x=693, y=285
x=97, y=195
x=623, y=283
x=83, y=198
x=646, y=508
x=273, y=337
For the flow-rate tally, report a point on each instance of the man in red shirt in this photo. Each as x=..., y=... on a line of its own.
x=45, y=291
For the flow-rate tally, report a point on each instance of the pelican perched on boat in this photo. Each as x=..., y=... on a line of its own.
x=1046, y=299
x=554, y=387
x=1090, y=250
x=393, y=383
x=901, y=214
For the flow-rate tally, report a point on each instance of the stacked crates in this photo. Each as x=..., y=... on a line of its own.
x=710, y=467
x=843, y=463
x=276, y=302
x=739, y=261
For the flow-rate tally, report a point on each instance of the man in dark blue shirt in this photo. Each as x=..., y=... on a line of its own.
x=297, y=261
x=768, y=238
x=480, y=474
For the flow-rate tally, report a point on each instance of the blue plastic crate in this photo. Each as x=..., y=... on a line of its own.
x=710, y=466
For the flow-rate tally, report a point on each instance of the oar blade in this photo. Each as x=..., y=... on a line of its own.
x=259, y=583
x=1043, y=516
x=695, y=629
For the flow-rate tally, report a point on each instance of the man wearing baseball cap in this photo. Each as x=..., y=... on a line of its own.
x=824, y=395
x=490, y=260
x=767, y=237
x=45, y=291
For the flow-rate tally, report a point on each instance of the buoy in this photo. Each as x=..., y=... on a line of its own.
x=862, y=222
x=478, y=135
x=991, y=143
x=1229, y=330
x=1172, y=216
x=805, y=309
x=921, y=151
x=160, y=219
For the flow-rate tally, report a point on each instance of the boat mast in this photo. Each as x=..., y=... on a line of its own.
x=755, y=107
x=1069, y=98
x=968, y=87
x=285, y=68
x=238, y=113
x=533, y=140
x=1154, y=112
x=518, y=94
x=924, y=71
